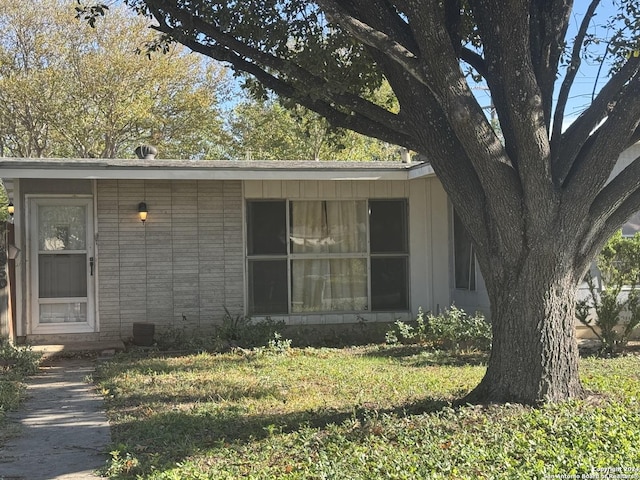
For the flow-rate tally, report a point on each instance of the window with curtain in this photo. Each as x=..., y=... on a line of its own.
x=329, y=256
x=464, y=256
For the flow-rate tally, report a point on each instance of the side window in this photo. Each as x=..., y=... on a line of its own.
x=464, y=256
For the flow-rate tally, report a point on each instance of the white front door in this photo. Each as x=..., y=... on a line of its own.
x=62, y=265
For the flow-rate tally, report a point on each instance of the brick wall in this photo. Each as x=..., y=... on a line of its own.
x=180, y=268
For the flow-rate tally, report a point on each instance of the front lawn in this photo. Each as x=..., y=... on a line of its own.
x=359, y=413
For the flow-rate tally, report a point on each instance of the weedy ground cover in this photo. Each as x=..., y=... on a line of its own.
x=356, y=413
x=16, y=363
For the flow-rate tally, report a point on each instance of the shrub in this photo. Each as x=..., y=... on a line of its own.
x=183, y=339
x=242, y=331
x=619, y=265
x=276, y=346
x=453, y=329
x=17, y=362
x=172, y=338
x=235, y=331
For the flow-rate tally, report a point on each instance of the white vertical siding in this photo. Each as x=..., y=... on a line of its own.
x=626, y=157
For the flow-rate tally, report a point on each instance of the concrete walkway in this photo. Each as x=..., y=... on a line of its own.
x=65, y=433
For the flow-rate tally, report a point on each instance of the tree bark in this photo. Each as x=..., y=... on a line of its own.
x=534, y=357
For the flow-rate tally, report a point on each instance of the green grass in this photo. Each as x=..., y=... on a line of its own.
x=361, y=413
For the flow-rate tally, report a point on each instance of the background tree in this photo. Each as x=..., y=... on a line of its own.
x=267, y=130
x=70, y=90
x=537, y=204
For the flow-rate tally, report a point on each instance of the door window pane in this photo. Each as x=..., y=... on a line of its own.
x=266, y=228
x=62, y=227
x=388, y=224
x=389, y=283
x=63, y=312
x=323, y=285
x=268, y=286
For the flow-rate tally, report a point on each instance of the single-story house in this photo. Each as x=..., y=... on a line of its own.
x=323, y=244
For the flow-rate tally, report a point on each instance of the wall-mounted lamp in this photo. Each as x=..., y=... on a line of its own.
x=143, y=211
x=11, y=209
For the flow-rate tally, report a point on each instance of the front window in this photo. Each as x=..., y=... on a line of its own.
x=329, y=256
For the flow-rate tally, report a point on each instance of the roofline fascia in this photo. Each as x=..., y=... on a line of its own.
x=200, y=174
x=99, y=172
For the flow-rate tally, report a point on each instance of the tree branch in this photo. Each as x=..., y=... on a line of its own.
x=449, y=98
x=475, y=60
x=572, y=70
x=378, y=126
x=604, y=229
x=549, y=21
x=455, y=170
x=381, y=121
x=575, y=137
x=453, y=23
x=600, y=153
x=615, y=193
x=373, y=38
x=518, y=101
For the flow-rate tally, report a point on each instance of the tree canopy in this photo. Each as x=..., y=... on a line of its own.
x=537, y=200
x=70, y=90
x=267, y=130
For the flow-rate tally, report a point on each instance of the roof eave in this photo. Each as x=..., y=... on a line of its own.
x=105, y=169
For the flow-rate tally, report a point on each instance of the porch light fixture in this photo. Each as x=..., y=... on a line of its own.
x=143, y=211
x=11, y=209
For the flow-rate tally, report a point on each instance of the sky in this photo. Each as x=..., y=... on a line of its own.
x=588, y=76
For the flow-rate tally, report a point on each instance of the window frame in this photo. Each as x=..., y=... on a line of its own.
x=291, y=256
x=472, y=281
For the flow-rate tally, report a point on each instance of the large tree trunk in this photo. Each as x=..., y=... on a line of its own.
x=534, y=357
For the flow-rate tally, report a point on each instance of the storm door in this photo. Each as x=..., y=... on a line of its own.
x=62, y=265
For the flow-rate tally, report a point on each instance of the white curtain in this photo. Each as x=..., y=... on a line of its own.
x=329, y=230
